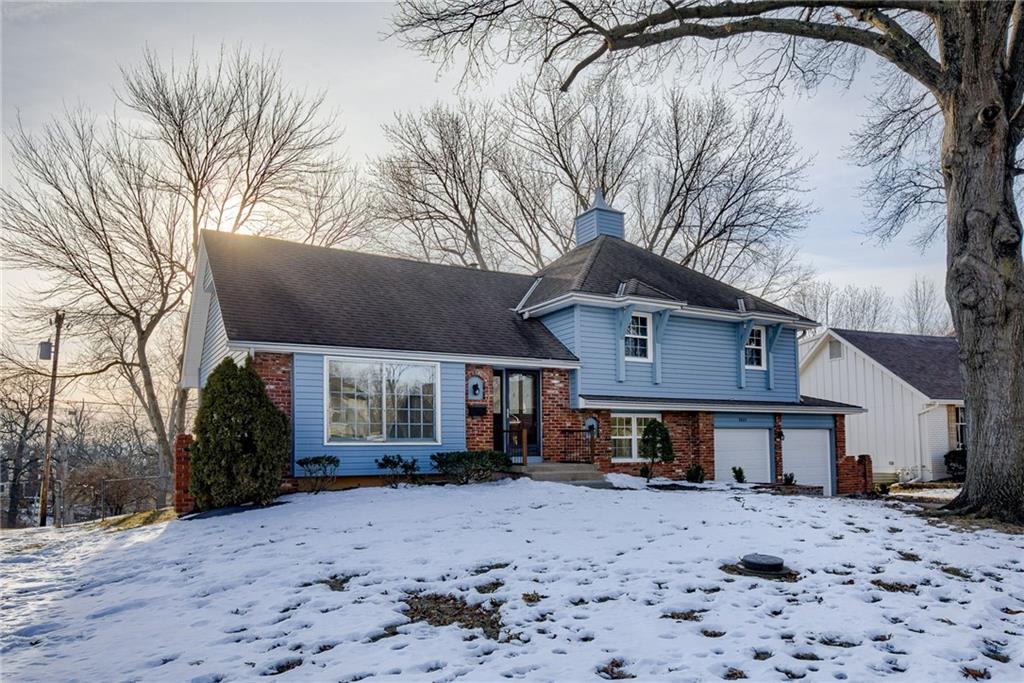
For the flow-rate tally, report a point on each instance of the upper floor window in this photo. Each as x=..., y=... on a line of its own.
x=638, y=337
x=961, y=426
x=374, y=401
x=753, y=350
x=835, y=350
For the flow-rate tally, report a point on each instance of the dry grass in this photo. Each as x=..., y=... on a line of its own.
x=613, y=670
x=445, y=610
x=138, y=519
x=895, y=586
x=533, y=598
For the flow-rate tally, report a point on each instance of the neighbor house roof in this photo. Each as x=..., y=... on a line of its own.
x=611, y=266
x=929, y=364
x=271, y=290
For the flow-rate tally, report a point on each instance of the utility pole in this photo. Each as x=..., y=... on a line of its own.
x=58, y=321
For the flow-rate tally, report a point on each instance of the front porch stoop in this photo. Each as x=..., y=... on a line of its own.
x=559, y=471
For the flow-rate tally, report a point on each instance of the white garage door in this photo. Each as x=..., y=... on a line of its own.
x=746, y=448
x=806, y=453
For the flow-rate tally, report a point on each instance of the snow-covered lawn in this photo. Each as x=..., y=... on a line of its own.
x=240, y=596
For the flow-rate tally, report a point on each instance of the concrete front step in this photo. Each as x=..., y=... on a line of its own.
x=560, y=471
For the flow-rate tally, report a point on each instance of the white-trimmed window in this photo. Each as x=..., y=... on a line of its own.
x=626, y=432
x=638, y=337
x=381, y=401
x=835, y=350
x=961, y=426
x=753, y=350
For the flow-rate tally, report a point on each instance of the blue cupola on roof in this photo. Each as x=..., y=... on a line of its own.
x=599, y=219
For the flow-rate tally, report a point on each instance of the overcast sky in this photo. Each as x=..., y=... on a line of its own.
x=57, y=55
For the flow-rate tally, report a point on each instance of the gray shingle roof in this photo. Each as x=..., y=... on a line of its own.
x=601, y=265
x=275, y=291
x=929, y=364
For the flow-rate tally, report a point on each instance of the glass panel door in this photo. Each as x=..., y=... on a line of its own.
x=522, y=407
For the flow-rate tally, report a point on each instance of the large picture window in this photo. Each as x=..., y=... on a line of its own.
x=374, y=401
x=626, y=433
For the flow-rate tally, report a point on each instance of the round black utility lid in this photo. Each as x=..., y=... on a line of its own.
x=762, y=563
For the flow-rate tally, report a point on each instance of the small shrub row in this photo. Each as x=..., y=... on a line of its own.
x=459, y=467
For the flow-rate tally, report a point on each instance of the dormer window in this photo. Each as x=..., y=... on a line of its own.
x=753, y=350
x=638, y=337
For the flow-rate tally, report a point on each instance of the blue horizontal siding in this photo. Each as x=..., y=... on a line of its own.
x=808, y=422
x=562, y=324
x=309, y=415
x=698, y=361
x=215, y=343
x=744, y=421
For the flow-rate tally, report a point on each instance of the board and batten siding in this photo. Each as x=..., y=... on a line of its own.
x=698, y=361
x=891, y=429
x=358, y=459
x=215, y=343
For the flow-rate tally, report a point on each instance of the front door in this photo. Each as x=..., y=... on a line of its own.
x=516, y=410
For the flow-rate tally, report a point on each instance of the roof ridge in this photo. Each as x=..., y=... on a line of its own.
x=705, y=276
x=845, y=330
x=335, y=250
x=581, y=276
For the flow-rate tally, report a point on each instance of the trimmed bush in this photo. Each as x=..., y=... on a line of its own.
x=398, y=469
x=242, y=440
x=463, y=467
x=956, y=464
x=655, y=446
x=695, y=473
x=322, y=469
x=738, y=475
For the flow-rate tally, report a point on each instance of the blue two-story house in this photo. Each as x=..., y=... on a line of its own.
x=372, y=355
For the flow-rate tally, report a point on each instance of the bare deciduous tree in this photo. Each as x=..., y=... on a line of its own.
x=705, y=184
x=850, y=307
x=241, y=149
x=23, y=404
x=84, y=210
x=432, y=185
x=923, y=311
x=968, y=57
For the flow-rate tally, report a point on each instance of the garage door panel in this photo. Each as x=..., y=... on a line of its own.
x=807, y=454
x=746, y=448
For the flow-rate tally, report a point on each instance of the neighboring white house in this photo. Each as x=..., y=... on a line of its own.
x=910, y=386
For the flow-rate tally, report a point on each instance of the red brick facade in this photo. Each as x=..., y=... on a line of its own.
x=480, y=428
x=183, y=500
x=557, y=415
x=854, y=473
x=275, y=369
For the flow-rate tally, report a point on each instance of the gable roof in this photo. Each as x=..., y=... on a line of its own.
x=282, y=292
x=929, y=364
x=606, y=264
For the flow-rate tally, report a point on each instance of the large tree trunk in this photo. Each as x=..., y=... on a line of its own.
x=985, y=277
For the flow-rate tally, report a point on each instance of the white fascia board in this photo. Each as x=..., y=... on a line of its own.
x=652, y=305
x=816, y=345
x=500, y=361
x=579, y=298
x=628, y=404
x=195, y=331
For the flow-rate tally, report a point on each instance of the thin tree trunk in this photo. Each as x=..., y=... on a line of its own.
x=985, y=279
x=156, y=419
